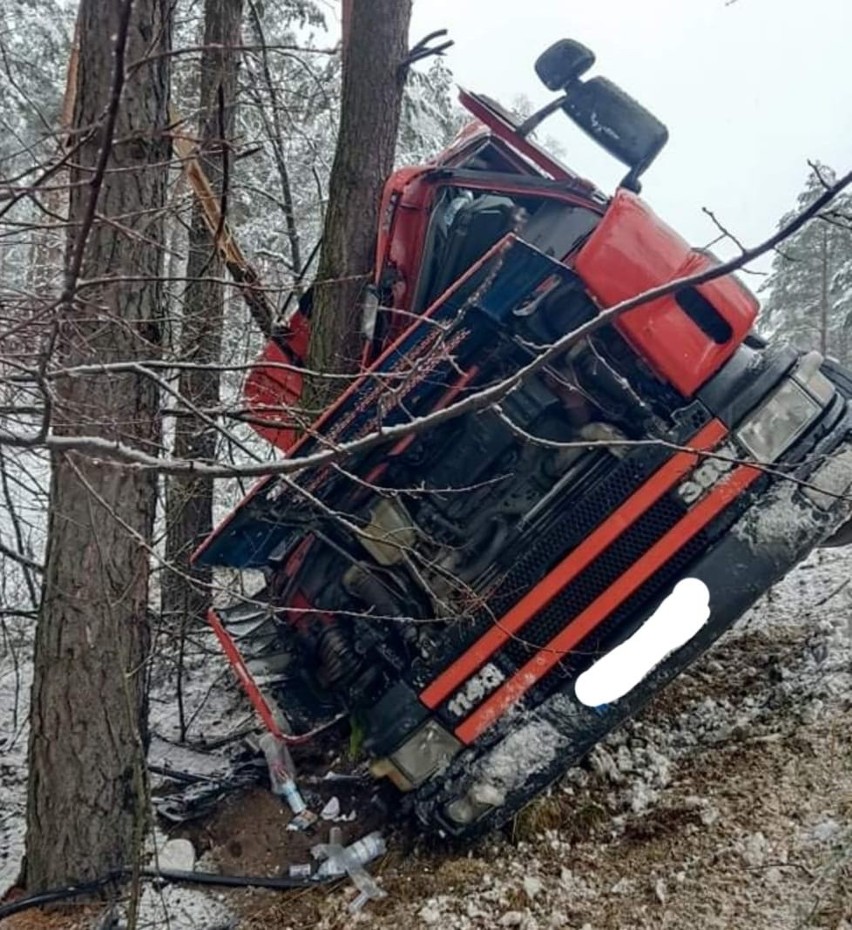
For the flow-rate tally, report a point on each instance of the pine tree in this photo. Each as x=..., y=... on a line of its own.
x=372, y=87
x=189, y=501
x=88, y=715
x=430, y=117
x=810, y=286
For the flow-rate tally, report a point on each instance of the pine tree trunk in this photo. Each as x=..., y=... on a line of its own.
x=371, y=102
x=87, y=737
x=189, y=508
x=823, y=295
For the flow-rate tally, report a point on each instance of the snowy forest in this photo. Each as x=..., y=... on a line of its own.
x=262, y=247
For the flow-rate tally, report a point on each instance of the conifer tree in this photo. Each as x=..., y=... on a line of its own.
x=809, y=302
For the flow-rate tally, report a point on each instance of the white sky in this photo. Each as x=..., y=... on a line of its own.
x=750, y=91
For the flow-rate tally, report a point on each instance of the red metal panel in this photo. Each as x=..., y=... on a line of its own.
x=402, y=224
x=273, y=387
x=631, y=251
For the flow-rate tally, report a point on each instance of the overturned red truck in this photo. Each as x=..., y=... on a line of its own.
x=467, y=585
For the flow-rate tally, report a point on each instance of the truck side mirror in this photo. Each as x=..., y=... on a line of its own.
x=619, y=124
x=563, y=63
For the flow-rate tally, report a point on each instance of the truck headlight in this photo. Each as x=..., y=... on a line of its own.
x=779, y=422
x=422, y=754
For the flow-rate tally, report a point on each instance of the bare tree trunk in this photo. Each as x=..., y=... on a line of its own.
x=371, y=101
x=189, y=506
x=345, y=26
x=88, y=718
x=275, y=134
x=823, y=296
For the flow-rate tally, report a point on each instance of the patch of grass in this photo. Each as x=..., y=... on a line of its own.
x=556, y=811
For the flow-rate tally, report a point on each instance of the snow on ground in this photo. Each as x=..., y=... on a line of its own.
x=728, y=803
x=214, y=710
x=178, y=908
x=15, y=684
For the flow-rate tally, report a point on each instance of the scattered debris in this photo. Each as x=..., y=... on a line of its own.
x=350, y=860
x=331, y=811
x=303, y=821
x=189, y=783
x=282, y=774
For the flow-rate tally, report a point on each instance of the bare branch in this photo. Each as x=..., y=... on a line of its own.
x=108, y=449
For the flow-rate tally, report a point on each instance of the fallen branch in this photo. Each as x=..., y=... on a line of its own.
x=242, y=271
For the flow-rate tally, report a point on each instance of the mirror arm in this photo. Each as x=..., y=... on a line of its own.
x=631, y=180
x=531, y=122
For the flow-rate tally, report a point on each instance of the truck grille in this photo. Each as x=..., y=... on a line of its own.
x=594, y=580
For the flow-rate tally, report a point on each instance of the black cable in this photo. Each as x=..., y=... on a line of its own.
x=282, y=883
x=175, y=876
x=57, y=894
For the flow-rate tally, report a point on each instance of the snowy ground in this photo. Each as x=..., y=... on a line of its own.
x=727, y=804
x=214, y=708
x=15, y=683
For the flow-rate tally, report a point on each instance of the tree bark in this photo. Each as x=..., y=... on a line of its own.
x=371, y=100
x=823, y=291
x=189, y=503
x=88, y=716
x=345, y=27
x=275, y=135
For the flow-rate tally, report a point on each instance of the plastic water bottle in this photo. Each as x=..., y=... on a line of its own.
x=359, y=853
x=350, y=860
x=281, y=771
x=288, y=790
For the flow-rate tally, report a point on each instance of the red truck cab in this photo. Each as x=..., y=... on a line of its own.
x=437, y=219
x=515, y=487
